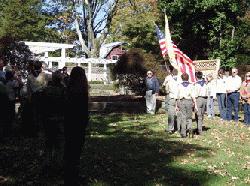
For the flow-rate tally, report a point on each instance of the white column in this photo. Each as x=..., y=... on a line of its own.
x=61, y=64
x=105, y=75
x=49, y=63
x=89, y=71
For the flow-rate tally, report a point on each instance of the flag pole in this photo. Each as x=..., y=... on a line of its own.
x=169, y=44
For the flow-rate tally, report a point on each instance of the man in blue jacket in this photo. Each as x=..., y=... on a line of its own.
x=152, y=90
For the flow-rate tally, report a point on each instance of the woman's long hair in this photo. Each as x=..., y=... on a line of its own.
x=221, y=72
x=36, y=68
x=78, y=84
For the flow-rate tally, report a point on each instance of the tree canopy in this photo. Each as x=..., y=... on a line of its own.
x=25, y=20
x=209, y=28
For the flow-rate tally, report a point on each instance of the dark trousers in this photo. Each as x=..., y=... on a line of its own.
x=233, y=104
x=246, y=107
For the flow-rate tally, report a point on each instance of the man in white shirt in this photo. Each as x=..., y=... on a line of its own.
x=233, y=95
x=201, y=93
x=171, y=86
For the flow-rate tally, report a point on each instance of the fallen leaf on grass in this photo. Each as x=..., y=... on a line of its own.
x=113, y=124
x=247, y=165
x=247, y=180
x=234, y=178
x=184, y=161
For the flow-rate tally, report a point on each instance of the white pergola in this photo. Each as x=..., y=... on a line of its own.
x=43, y=49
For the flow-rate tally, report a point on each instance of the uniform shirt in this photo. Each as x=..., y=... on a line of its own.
x=200, y=88
x=171, y=85
x=185, y=90
x=234, y=83
x=221, y=85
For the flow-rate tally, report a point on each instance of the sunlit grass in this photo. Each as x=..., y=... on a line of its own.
x=221, y=156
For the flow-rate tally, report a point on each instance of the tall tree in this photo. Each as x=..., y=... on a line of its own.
x=92, y=20
x=134, y=23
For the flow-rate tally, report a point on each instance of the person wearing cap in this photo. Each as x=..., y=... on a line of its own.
x=152, y=90
x=233, y=95
x=171, y=86
x=245, y=95
x=184, y=104
x=200, y=90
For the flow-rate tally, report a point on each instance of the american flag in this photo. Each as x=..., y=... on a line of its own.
x=184, y=63
x=162, y=42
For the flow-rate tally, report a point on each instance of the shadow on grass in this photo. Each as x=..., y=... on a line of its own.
x=117, y=152
x=124, y=155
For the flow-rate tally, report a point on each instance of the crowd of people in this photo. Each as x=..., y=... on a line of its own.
x=54, y=105
x=183, y=98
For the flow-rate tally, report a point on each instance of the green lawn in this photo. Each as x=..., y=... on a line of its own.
x=135, y=150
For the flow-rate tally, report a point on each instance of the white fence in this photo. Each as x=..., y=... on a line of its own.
x=93, y=73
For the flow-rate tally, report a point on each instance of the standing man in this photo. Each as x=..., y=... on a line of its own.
x=233, y=95
x=201, y=100
x=152, y=90
x=171, y=86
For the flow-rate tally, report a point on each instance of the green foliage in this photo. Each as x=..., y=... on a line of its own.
x=134, y=23
x=208, y=28
x=14, y=53
x=130, y=70
x=25, y=20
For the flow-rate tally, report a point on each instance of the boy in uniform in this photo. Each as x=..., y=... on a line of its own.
x=185, y=101
x=171, y=84
x=200, y=90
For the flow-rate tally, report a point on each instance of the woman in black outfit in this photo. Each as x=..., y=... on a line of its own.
x=76, y=120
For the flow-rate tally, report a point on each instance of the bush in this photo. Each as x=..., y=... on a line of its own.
x=15, y=53
x=130, y=70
